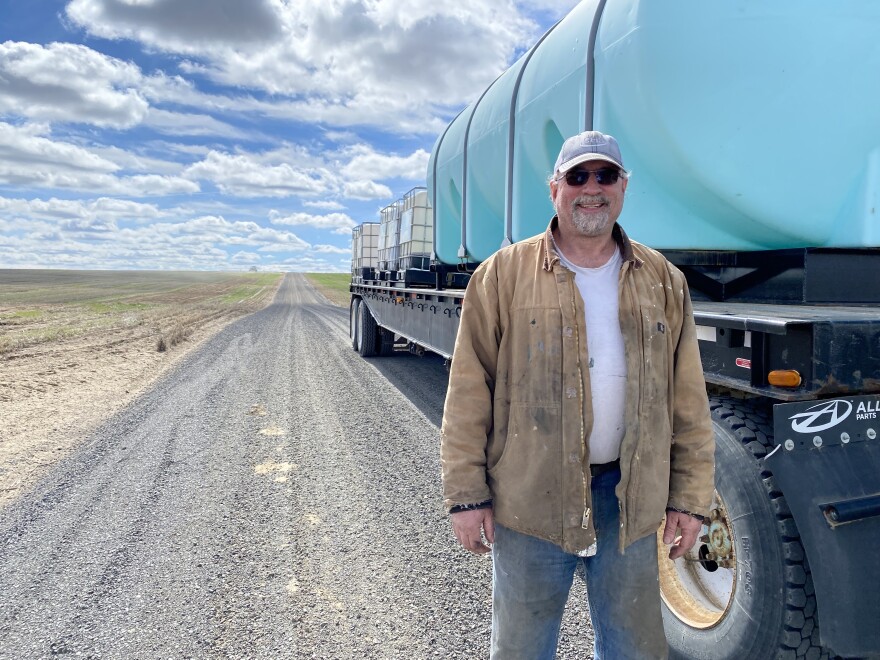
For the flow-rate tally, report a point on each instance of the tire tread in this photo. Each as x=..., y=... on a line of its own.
x=750, y=422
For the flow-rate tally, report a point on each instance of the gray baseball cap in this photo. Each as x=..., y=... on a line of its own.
x=586, y=146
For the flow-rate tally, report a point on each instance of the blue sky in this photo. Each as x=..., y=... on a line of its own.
x=227, y=134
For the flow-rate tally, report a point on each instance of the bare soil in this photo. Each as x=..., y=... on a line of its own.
x=55, y=393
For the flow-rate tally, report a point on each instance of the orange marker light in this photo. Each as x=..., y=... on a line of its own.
x=784, y=378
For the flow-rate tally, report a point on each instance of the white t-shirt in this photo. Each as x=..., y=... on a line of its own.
x=598, y=287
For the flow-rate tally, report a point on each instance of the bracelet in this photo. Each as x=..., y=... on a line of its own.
x=458, y=508
x=686, y=512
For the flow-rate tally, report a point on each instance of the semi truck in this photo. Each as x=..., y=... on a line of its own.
x=751, y=131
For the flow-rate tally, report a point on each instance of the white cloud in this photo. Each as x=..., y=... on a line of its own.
x=88, y=239
x=25, y=146
x=179, y=123
x=365, y=160
x=69, y=82
x=104, y=209
x=339, y=62
x=329, y=221
x=183, y=26
x=249, y=175
x=330, y=249
x=326, y=205
x=29, y=160
x=246, y=258
x=366, y=190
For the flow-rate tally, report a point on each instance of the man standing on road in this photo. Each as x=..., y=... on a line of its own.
x=576, y=416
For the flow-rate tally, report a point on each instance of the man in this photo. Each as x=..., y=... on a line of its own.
x=576, y=417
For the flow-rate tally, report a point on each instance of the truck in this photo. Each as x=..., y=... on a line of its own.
x=752, y=136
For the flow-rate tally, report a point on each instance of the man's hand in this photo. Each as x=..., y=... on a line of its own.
x=690, y=528
x=467, y=526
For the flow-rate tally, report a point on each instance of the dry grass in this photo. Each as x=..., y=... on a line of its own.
x=39, y=307
x=334, y=286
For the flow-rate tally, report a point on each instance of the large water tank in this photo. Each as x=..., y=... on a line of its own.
x=746, y=126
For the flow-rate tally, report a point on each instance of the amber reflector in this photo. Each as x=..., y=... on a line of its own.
x=784, y=378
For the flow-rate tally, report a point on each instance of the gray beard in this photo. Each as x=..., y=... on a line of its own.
x=593, y=224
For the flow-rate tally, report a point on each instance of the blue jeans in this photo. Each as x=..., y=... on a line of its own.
x=532, y=578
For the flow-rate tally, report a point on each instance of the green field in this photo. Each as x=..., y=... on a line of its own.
x=333, y=285
x=40, y=306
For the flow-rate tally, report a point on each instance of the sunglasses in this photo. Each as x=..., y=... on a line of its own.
x=607, y=176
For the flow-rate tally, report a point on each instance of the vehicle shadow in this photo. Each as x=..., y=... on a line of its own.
x=423, y=380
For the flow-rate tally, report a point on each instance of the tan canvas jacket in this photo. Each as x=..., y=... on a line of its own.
x=518, y=410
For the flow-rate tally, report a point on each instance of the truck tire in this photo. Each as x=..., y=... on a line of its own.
x=745, y=589
x=353, y=321
x=368, y=332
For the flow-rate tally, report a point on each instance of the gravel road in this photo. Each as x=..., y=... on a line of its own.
x=276, y=496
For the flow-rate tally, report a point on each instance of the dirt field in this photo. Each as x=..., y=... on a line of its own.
x=75, y=346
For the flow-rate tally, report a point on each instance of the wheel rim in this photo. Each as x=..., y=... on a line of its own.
x=353, y=324
x=699, y=587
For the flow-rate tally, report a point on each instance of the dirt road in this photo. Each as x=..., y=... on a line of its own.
x=275, y=496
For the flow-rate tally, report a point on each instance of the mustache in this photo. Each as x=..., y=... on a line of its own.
x=590, y=199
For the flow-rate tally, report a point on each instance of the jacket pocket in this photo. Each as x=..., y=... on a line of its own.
x=525, y=480
x=655, y=356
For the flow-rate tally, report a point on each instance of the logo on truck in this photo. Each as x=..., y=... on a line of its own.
x=821, y=416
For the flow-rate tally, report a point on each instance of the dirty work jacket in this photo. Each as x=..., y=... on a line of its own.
x=518, y=409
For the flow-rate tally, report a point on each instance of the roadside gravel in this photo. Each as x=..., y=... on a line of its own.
x=276, y=496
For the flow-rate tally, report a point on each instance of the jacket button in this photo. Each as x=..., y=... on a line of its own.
x=570, y=392
x=568, y=331
x=574, y=458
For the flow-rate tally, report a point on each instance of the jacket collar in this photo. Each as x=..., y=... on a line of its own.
x=623, y=242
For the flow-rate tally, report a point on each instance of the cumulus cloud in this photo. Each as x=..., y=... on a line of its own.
x=69, y=82
x=330, y=249
x=101, y=210
x=292, y=171
x=246, y=258
x=365, y=159
x=366, y=190
x=249, y=175
x=73, y=84
x=329, y=221
x=89, y=236
x=30, y=160
x=339, y=62
x=181, y=123
x=326, y=205
x=184, y=26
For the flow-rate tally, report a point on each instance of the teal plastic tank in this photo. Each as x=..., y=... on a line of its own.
x=745, y=125
x=447, y=165
x=550, y=106
x=488, y=155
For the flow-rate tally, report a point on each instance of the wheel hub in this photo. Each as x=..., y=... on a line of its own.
x=699, y=587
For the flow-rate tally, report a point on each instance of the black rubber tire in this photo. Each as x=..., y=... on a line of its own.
x=773, y=615
x=353, y=322
x=368, y=332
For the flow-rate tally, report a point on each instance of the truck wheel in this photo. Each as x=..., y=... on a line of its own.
x=368, y=332
x=744, y=590
x=353, y=321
